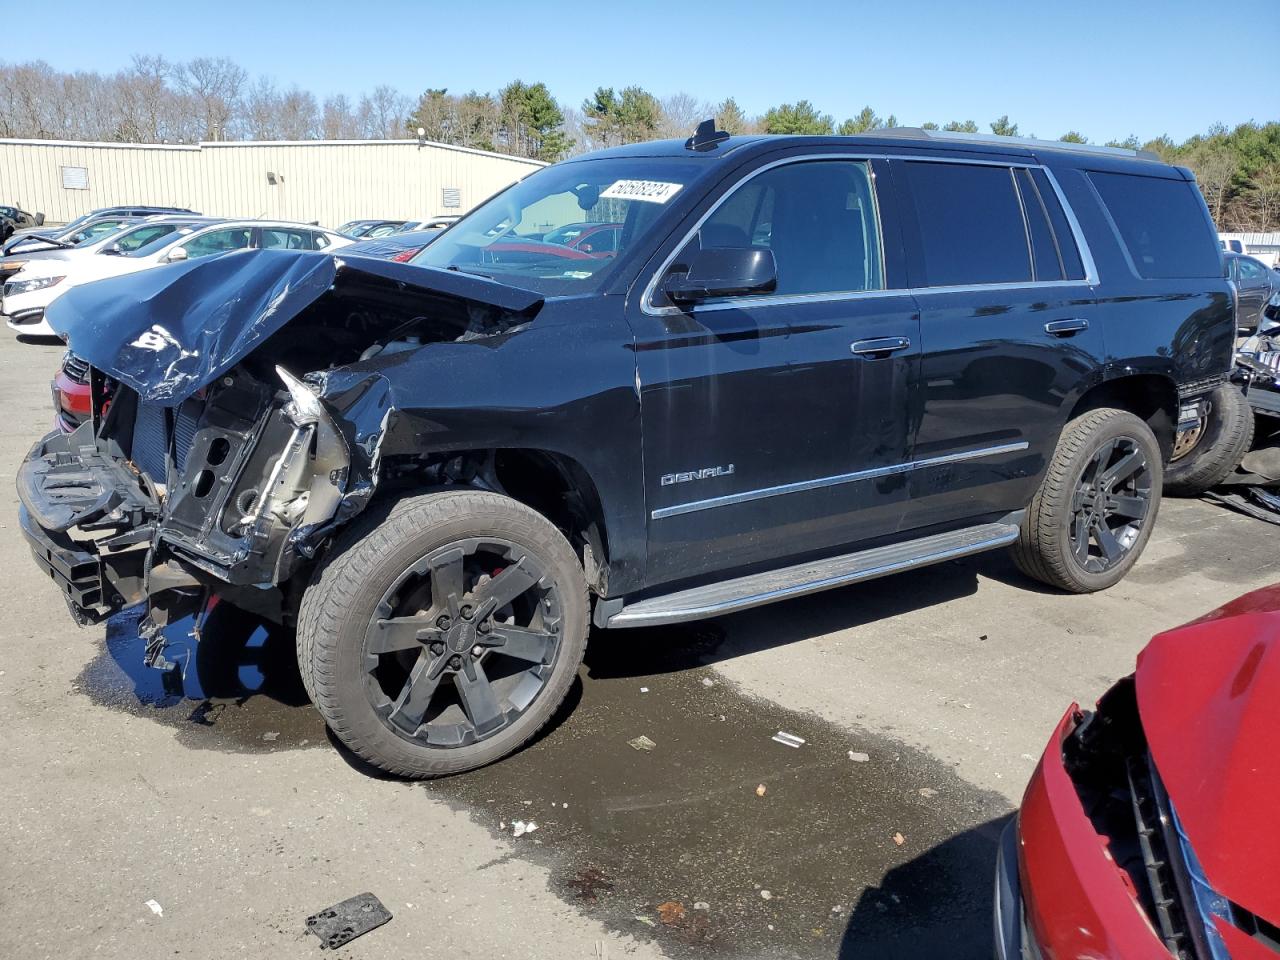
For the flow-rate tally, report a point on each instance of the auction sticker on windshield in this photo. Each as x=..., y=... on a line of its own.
x=650, y=191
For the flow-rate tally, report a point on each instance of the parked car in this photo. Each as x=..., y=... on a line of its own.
x=401, y=247
x=27, y=294
x=1147, y=829
x=19, y=218
x=91, y=229
x=1255, y=284
x=125, y=211
x=368, y=229
x=435, y=223
x=444, y=472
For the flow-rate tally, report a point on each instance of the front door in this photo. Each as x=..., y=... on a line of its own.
x=1008, y=332
x=766, y=435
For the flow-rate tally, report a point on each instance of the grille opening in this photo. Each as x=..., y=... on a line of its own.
x=218, y=451
x=203, y=484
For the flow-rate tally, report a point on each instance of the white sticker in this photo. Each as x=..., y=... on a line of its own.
x=650, y=191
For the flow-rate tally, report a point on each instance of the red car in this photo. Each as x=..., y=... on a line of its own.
x=573, y=241
x=71, y=394
x=1149, y=828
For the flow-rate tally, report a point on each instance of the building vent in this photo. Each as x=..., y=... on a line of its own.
x=452, y=197
x=75, y=178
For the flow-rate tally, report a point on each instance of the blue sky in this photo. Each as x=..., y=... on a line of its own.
x=1108, y=69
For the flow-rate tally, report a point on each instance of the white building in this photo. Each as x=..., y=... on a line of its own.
x=329, y=181
x=1263, y=246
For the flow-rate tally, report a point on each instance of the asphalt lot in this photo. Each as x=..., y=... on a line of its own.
x=227, y=803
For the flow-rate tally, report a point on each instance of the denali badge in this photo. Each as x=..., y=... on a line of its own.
x=705, y=473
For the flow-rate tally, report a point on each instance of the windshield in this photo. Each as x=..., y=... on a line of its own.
x=524, y=235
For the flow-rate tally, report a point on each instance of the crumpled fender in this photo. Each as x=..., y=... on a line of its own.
x=170, y=330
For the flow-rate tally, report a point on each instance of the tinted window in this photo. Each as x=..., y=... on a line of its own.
x=818, y=218
x=1072, y=265
x=1045, y=260
x=1162, y=224
x=139, y=238
x=971, y=228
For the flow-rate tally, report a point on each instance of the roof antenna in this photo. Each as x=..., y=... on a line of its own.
x=706, y=137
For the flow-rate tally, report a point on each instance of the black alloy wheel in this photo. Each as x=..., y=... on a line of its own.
x=462, y=643
x=1110, y=504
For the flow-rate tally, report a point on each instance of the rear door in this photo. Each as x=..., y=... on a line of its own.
x=1008, y=331
x=765, y=435
x=1254, y=287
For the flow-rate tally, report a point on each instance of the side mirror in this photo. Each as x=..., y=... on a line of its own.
x=725, y=272
x=176, y=255
x=112, y=250
x=39, y=219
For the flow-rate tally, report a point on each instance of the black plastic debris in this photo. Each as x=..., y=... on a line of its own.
x=345, y=921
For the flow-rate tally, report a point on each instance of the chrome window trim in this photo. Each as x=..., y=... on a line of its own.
x=1086, y=256
x=803, y=485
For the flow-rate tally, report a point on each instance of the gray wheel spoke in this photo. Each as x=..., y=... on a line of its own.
x=1131, y=508
x=1126, y=467
x=401, y=633
x=410, y=707
x=447, y=581
x=478, y=698
x=502, y=589
x=1080, y=538
x=523, y=643
x=1109, y=545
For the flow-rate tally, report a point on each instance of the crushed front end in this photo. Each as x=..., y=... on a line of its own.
x=204, y=466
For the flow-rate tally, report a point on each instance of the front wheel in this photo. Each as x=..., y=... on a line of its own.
x=1095, y=508
x=444, y=636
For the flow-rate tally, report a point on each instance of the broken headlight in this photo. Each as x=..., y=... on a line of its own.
x=1209, y=903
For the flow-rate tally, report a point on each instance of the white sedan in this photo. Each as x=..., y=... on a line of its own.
x=29, y=292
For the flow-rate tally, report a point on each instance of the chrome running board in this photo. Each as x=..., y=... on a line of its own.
x=757, y=589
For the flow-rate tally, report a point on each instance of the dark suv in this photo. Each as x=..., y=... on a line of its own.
x=813, y=361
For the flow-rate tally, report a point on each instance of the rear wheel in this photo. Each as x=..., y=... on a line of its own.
x=444, y=636
x=1095, y=508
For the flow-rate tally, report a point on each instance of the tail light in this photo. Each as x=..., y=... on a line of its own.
x=404, y=256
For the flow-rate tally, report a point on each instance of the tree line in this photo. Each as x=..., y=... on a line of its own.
x=155, y=100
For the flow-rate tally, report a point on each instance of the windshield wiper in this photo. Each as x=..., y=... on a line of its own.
x=475, y=273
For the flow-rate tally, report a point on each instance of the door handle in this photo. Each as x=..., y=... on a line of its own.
x=1066, y=328
x=882, y=347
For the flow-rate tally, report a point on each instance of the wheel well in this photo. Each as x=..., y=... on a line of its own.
x=554, y=485
x=1152, y=397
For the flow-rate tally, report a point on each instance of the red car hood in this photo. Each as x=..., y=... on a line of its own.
x=1209, y=697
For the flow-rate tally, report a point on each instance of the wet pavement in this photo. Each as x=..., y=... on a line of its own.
x=717, y=841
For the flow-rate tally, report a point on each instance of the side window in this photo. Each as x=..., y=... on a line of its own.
x=318, y=241
x=280, y=239
x=1162, y=223
x=971, y=226
x=1046, y=262
x=819, y=219
x=217, y=241
x=1251, y=269
x=1072, y=264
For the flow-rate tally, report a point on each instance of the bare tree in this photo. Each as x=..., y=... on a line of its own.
x=383, y=114
x=339, y=121
x=681, y=113
x=215, y=85
x=1214, y=170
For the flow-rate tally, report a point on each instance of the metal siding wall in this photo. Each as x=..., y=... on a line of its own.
x=328, y=182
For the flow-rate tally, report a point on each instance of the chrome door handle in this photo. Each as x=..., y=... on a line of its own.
x=884, y=346
x=1065, y=328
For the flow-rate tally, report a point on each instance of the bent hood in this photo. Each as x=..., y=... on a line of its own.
x=170, y=330
x=1209, y=697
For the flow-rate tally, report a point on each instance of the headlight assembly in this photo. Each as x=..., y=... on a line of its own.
x=14, y=287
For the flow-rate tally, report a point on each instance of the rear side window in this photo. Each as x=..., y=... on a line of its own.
x=971, y=226
x=1161, y=223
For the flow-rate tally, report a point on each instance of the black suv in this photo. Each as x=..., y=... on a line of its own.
x=809, y=362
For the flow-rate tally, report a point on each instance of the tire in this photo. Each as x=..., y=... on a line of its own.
x=405, y=650
x=1227, y=435
x=1075, y=503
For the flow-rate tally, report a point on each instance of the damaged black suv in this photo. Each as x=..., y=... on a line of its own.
x=781, y=364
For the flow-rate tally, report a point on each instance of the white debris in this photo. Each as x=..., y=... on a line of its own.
x=644, y=689
x=647, y=921
x=642, y=743
x=766, y=895
x=927, y=792
x=857, y=757
x=270, y=735
x=788, y=739
x=701, y=905
x=708, y=682
x=519, y=828
x=155, y=908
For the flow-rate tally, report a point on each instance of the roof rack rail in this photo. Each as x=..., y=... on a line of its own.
x=915, y=133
